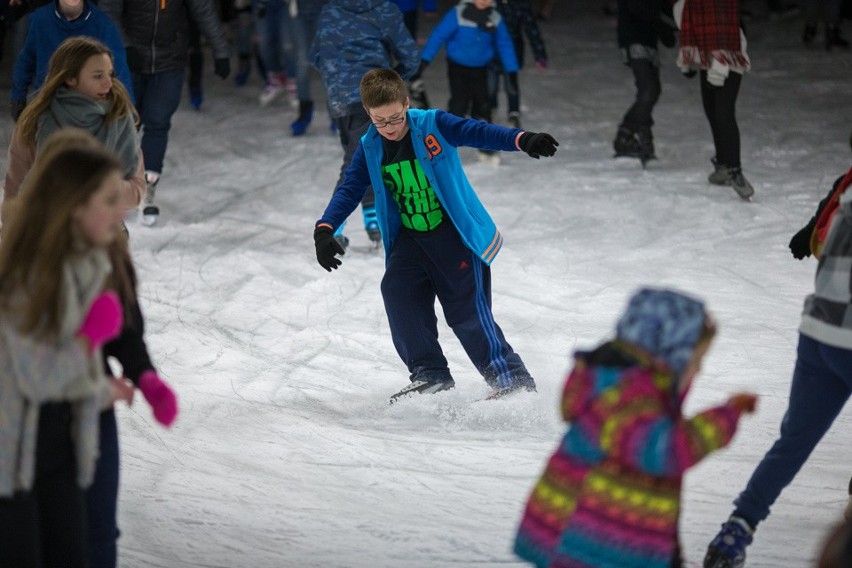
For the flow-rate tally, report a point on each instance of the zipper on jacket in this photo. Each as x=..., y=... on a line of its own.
x=162, y=6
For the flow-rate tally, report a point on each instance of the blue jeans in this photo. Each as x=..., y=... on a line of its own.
x=298, y=33
x=272, y=42
x=822, y=382
x=102, y=497
x=157, y=99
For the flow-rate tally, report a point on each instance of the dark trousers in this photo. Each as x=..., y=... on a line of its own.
x=46, y=526
x=102, y=497
x=438, y=265
x=639, y=116
x=350, y=129
x=157, y=99
x=822, y=383
x=720, y=107
x=469, y=91
x=513, y=93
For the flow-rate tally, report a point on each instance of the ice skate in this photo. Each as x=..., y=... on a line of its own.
x=423, y=387
x=626, y=144
x=489, y=157
x=150, y=213
x=306, y=113
x=341, y=239
x=417, y=94
x=834, y=39
x=371, y=225
x=519, y=387
x=740, y=184
x=646, y=147
x=274, y=89
x=515, y=119
x=727, y=550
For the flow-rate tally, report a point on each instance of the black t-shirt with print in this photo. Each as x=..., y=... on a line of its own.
x=403, y=177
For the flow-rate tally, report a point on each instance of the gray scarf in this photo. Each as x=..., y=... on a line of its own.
x=72, y=109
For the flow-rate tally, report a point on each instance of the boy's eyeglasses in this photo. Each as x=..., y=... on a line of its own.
x=391, y=122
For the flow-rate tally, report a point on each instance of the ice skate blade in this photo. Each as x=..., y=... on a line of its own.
x=421, y=387
x=149, y=216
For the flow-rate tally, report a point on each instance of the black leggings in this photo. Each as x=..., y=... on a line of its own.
x=46, y=526
x=720, y=107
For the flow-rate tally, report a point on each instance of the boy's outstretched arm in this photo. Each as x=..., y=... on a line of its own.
x=460, y=131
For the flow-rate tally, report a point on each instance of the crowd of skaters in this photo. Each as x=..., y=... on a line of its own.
x=276, y=39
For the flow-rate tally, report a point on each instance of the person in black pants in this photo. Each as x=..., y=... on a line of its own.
x=641, y=24
x=712, y=42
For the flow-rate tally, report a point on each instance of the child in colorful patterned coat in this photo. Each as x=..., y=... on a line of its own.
x=610, y=495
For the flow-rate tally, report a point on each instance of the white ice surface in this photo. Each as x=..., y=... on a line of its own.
x=286, y=454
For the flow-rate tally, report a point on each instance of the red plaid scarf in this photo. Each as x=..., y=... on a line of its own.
x=711, y=28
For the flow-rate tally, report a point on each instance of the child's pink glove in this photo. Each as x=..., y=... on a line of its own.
x=541, y=64
x=104, y=320
x=160, y=396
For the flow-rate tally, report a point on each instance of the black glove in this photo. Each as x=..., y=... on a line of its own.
x=17, y=108
x=800, y=244
x=327, y=247
x=261, y=8
x=222, y=67
x=690, y=73
x=538, y=144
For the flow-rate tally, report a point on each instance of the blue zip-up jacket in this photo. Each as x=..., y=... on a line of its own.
x=47, y=28
x=435, y=135
x=468, y=44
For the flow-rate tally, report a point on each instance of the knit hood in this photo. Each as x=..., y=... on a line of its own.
x=664, y=323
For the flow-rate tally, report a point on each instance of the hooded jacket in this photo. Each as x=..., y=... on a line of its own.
x=471, y=43
x=610, y=494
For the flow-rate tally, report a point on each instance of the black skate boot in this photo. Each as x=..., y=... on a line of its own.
x=423, y=387
x=727, y=550
x=833, y=38
x=306, y=113
x=646, y=146
x=809, y=35
x=626, y=143
x=371, y=225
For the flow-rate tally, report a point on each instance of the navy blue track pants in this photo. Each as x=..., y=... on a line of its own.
x=427, y=266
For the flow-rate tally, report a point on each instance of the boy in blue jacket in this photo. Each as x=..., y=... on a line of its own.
x=439, y=240
x=474, y=33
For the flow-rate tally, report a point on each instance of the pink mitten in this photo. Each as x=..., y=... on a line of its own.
x=104, y=320
x=160, y=396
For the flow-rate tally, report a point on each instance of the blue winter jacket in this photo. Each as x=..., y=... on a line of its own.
x=47, y=28
x=435, y=135
x=353, y=37
x=469, y=45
